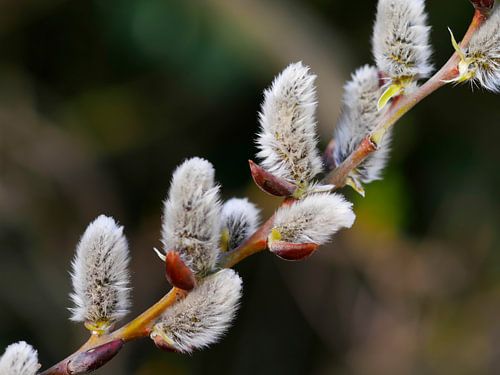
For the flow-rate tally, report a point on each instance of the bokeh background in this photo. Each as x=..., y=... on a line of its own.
x=100, y=100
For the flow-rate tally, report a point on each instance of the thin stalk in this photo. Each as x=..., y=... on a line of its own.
x=254, y=244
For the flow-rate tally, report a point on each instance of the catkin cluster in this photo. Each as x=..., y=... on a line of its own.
x=288, y=149
x=200, y=232
x=402, y=52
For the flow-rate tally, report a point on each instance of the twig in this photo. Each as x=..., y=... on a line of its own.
x=137, y=328
x=141, y=325
x=399, y=108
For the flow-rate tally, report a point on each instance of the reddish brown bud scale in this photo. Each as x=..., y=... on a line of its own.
x=270, y=183
x=483, y=4
x=162, y=344
x=94, y=358
x=292, y=251
x=177, y=273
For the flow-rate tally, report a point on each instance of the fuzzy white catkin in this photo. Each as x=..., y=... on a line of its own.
x=239, y=219
x=100, y=273
x=191, y=216
x=484, y=51
x=401, y=39
x=287, y=140
x=359, y=118
x=19, y=359
x=314, y=219
x=204, y=315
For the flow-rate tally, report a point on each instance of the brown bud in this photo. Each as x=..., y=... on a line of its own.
x=94, y=358
x=162, y=344
x=177, y=273
x=292, y=251
x=270, y=183
x=483, y=5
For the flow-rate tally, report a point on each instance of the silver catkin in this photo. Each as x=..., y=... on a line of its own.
x=203, y=316
x=191, y=216
x=287, y=140
x=100, y=274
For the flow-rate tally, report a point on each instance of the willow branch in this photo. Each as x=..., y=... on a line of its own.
x=141, y=326
x=400, y=107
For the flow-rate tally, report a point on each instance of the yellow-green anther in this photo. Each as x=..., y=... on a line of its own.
x=353, y=181
x=465, y=72
x=392, y=90
x=275, y=235
x=224, y=240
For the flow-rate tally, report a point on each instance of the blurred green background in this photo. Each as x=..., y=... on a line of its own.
x=100, y=100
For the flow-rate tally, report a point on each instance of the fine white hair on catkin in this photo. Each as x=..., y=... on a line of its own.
x=401, y=39
x=287, y=140
x=359, y=118
x=240, y=219
x=19, y=359
x=314, y=219
x=191, y=216
x=100, y=273
x=204, y=315
x=484, y=53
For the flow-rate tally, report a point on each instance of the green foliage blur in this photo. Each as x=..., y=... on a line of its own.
x=100, y=100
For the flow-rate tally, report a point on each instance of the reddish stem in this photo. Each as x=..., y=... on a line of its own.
x=399, y=108
x=141, y=326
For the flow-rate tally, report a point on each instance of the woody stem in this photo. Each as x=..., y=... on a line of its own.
x=141, y=326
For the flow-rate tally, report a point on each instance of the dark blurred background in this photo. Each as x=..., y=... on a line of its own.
x=100, y=100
